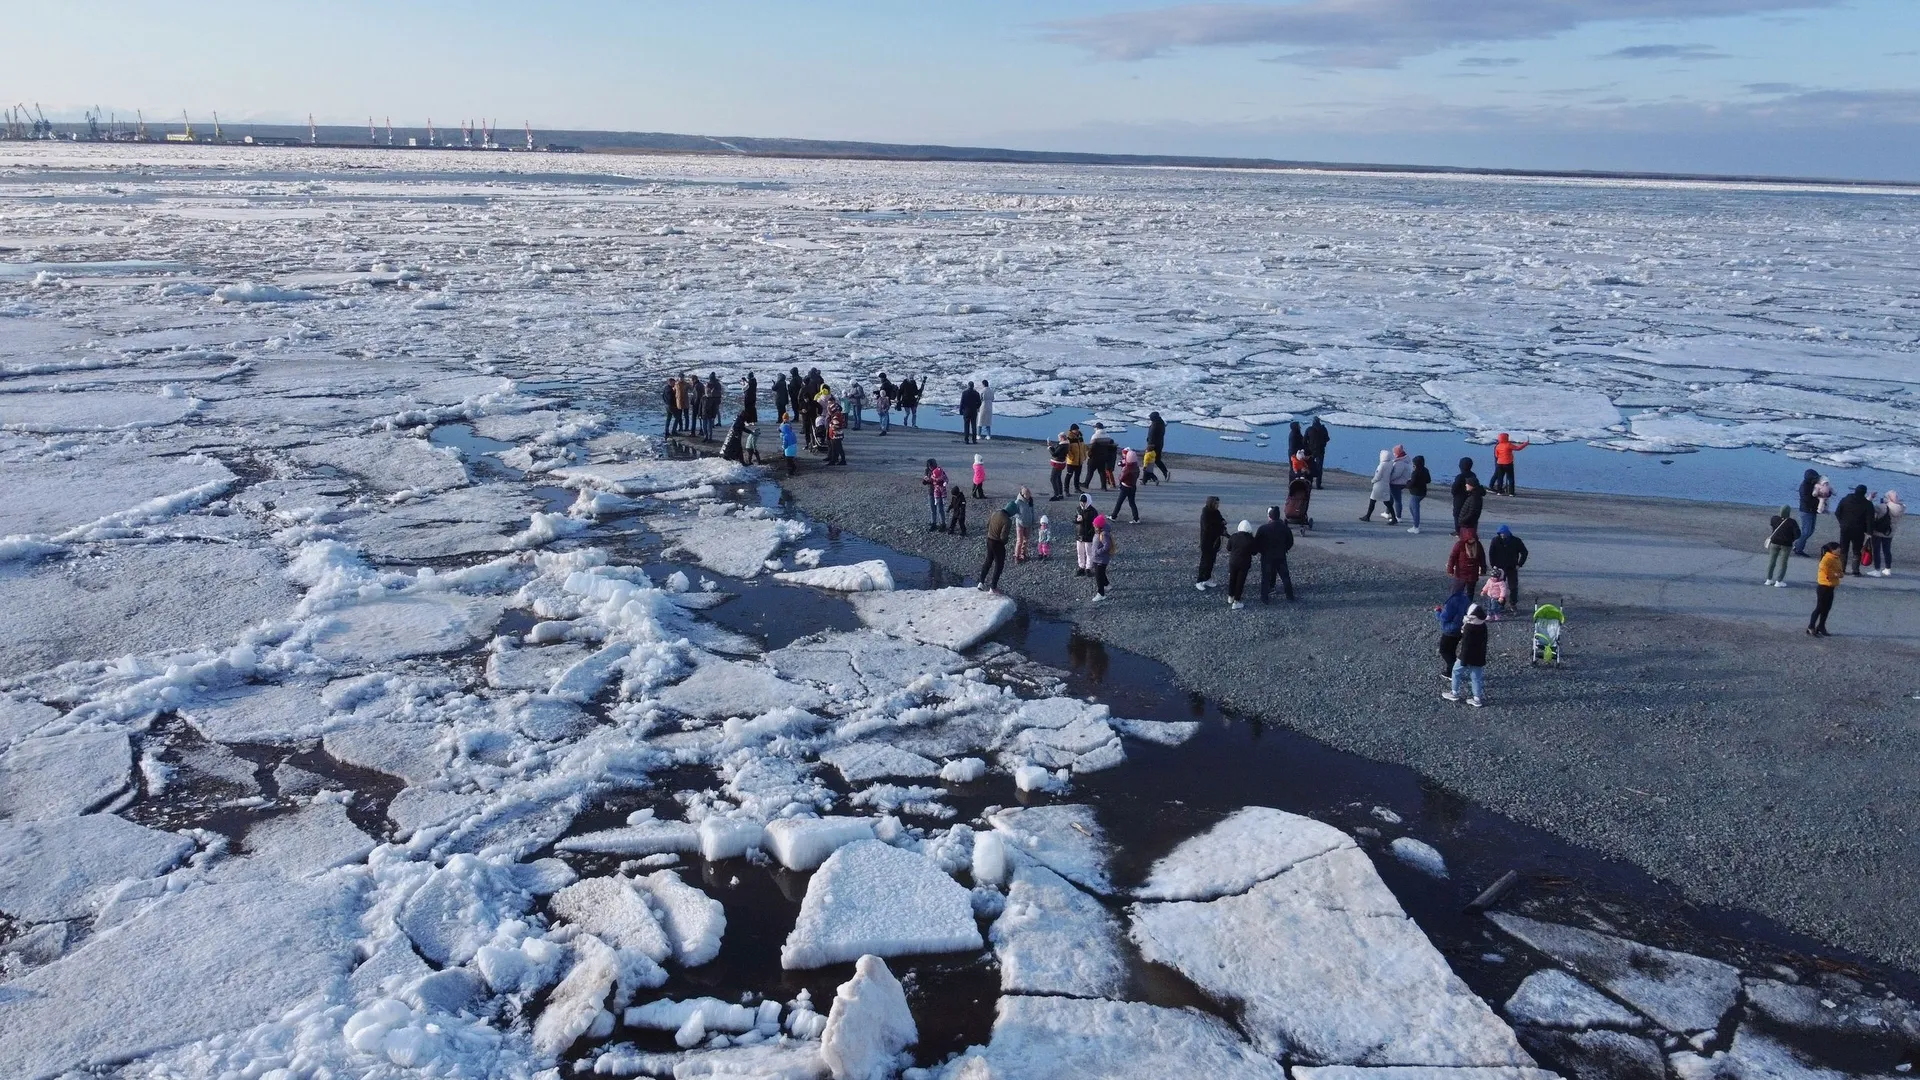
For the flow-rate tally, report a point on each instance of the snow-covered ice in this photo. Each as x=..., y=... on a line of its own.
x=1552, y=998
x=1054, y=939
x=870, y=576
x=871, y=898
x=1248, y=847
x=56, y=869
x=803, y=843
x=955, y=618
x=869, y=1024
x=1064, y=838
x=53, y=776
x=1678, y=991
x=1056, y=1038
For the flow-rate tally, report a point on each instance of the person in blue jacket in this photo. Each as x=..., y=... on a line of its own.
x=1453, y=619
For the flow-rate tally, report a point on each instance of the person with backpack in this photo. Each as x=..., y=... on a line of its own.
x=1241, y=548
x=1452, y=616
x=1274, y=540
x=1213, y=531
x=1783, y=532
x=1103, y=550
x=1507, y=554
x=1417, y=483
x=1827, y=578
x=1470, y=663
x=1317, y=439
x=790, y=446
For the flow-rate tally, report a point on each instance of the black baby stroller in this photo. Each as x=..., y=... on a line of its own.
x=1299, y=495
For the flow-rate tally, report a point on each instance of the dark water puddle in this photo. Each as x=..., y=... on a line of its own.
x=481, y=454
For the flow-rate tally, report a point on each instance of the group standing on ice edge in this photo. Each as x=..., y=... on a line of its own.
x=809, y=412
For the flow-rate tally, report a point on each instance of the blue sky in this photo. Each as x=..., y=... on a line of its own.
x=1804, y=87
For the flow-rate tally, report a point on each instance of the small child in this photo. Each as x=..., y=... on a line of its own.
x=1146, y=465
x=750, y=445
x=979, y=478
x=957, y=512
x=1495, y=590
x=1043, y=538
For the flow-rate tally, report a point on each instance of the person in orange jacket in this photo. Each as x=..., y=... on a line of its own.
x=1503, y=450
x=1832, y=569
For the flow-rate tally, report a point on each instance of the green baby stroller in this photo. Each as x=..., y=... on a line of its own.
x=1548, y=624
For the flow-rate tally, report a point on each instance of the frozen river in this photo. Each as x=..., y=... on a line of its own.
x=376, y=702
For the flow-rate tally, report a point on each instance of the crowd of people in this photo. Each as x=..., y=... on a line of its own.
x=1865, y=522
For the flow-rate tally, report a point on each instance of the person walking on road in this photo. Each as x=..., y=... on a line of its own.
x=1417, y=482
x=1503, y=450
x=1468, y=499
x=1826, y=579
x=1129, y=487
x=999, y=523
x=1157, y=446
x=935, y=479
x=1274, y=540
x=1470, y=665
x=1508, y=553
x=1241, y=548
x=1783, y=532
x=1397, y=478
x=1885, y=513
x=1213, y=530
x=969, y=415
x=1855, y=517
x=979, y=477
x=1452, y=616
x=985, y=424
x=1102, y=556
x=1381, y=494
x=1317, y=439
x=1083, y=535
x=1466, y=563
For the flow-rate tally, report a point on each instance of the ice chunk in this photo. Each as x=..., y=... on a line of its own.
x=458, y=907
x=255, y=292
x=389, y=463
x=1054, y=939
x=1324, y=966
x=869, y=1024
x=729, y=837
x=54, y=869
x=863, y=663
x=1420, y=855
x=869, y=576
x=872, y=898
x=804, y=843
x=1680, y=992
x=1489, y=407
x=1164, y=732
x=1421, y=1072
x=312, y=840
x=612, y=910
x=762, y=1061
x=398, y=627
x=645, y=838
x=731, y=544
x=989, y=864
x=963, y=770
x=577, y=1002
x=728, y=688
x=1065, y=839
x=19, y=719
x=1248, y=847
x=1552, y=998
x=260, y=714
x=529, y=668
x=1054, y=1038
x=1606, y=1055
x=193, y=965
x=63, y=775
x=694, y=921
x=95, y=410
x=860, y=762
x=955, y=618
x=650, y=476
x=417, y=753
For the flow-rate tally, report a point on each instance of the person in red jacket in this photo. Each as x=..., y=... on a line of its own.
x=1503, y=450
x=1466, y=562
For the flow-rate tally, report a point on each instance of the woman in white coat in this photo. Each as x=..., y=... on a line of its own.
x=1382, y=493
x=986, y=409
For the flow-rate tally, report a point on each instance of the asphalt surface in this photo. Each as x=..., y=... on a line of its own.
x=1722, y=750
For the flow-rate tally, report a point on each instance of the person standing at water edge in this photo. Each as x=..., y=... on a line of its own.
x=1417, y=483
x=985, y=424
x=1782, y=534
x=669, y=397
x=1886, y=512
x=909, y=403
x=1241, y=548
x=1213, y=530
x=1157, y=446
x=1470, y=666
x=969, y=415
x=1296, y=440
x=750, y=399
x=1855, y=518
x=883, y=404
x=1503, y=450
x=1381, y=493
x=1317, y=439
x=1508, y=553
x=789, y=446
x=1397, y=479
x=857, y=401
x=1103, y=454
x=781, y=396
x=1077, y=454
x=1468, y=497
x=1274, y=540
x=999, y=523
x=1102, y=556
x=1826, y=579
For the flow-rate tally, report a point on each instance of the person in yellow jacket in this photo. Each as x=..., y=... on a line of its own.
x=1832, y=569
x=1077, y=457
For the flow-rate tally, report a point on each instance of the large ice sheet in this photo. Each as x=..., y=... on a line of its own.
x=312, y=840
x=56, y=869
x=1324, y=965
x=1051, y=1038
x=260, y=714
x=50, y=495
x=728, y=543
x=1054, y=939
x=96, y=411
x=387, y=463
x=954, y=618
x=863, y=663
x=724, y=688
x=872, y=898
x=382, y=631
x=1681, y=992
x=1064, y=838
x=649, y=476
x=212, y=959
x=1250, y=846
x=870, y=576
x=56, y=776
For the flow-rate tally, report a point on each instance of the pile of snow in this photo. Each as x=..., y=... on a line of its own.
x=869, y=1025
x=872, y=898
x=254, y=292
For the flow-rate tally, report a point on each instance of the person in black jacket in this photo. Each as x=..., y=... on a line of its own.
x=1508, y=553
x=782, y=397
x=1317, y=439
x=1157, y=444
x=1241, y=548
x=750, y=405
x=1468, y=497
x=1057, y=467
x=1274, y=541
x=1417, y=489
x=1809, y=510
x=970, y=415
x=669, y=395
x=1855, y=515
x=1470, y=662
x=1213, y=529
x=1083, y=536
x=1296, y=440
x=1101, y=453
